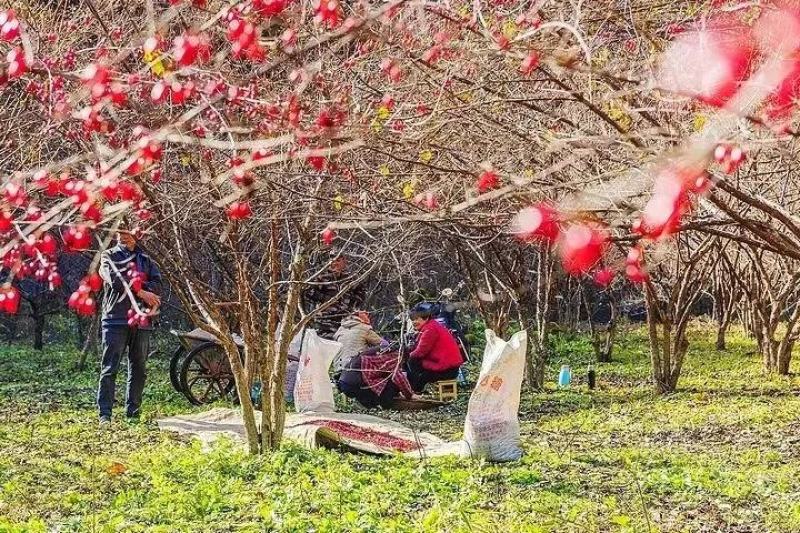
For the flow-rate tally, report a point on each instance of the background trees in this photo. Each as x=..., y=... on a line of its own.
x=254, y=138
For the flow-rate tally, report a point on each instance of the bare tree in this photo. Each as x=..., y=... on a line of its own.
x=770, y=284
x=673, y=288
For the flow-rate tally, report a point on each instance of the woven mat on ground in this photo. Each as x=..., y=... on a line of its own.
x=348, y=431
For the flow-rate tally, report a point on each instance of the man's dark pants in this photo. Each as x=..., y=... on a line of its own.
x=116, y=340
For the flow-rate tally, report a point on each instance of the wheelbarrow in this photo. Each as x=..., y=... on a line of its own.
x=200, y=370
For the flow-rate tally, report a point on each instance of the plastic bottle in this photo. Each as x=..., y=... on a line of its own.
x=591, y=377
x=564, y=377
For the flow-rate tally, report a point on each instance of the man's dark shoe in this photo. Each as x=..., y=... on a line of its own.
x=105, y=420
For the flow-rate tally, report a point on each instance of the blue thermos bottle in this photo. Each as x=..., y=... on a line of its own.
x=564, y=377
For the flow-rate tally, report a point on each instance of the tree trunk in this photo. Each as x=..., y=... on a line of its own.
x=668, y=350
x=605, y=344
x=89, y=343
x=785, y=359
x=80, y=338
x=38, y=331
x=11, y=331
x=668, y=343
x=538, y=335
x=243, y=390
x=778, y=356
x=535, y=367
x=721, y=330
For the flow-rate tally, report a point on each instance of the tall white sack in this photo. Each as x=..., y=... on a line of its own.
x=492, y=425
x=313, y=391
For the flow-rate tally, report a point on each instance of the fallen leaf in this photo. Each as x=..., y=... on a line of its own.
x=116, y=469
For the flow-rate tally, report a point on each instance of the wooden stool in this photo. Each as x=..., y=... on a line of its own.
x=448, y=390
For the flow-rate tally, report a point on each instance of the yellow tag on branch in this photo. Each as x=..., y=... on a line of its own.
x=600, y=57
x=699, y=122
x=338, y=202
x=384, y=170
x=383, y=112
x=510, y=29
x=616, y=111
x=153, y=60
x=409, y=188
x=425, y=156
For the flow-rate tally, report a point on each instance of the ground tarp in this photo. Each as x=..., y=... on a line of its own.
x=349, y=431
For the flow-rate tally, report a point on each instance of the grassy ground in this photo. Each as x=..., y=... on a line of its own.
x=721, y=455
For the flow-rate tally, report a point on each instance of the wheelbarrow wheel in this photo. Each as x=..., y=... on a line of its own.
x=175, y=367
x=206, y=375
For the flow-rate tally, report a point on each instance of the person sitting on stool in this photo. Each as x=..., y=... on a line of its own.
x=436, y=356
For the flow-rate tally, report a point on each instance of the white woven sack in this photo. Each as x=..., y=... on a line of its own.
x=492, y=425
x=313, y=391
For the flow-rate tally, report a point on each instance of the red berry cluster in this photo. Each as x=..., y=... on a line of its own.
x=176, y=92
x=328, y=13
x=136, y=278
x=530, y=63
x=671, y=201
x=77, y=238
x=98, y=79
x=391, y=69
x=243, y=179
x=729, y=157
x=191, y=48
x=427, y=199
x=9, y=299
x=270, y=8
x=82, y=300
x=244, y=38
x=9, y=26
x=328, y=236
x=138, y=319
x=487, y=181
x=634, y=265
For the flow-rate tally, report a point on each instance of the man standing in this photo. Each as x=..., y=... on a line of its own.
x=128, y=274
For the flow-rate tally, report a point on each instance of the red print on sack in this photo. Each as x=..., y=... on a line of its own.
x=497, y=382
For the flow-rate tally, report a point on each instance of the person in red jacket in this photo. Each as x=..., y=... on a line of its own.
x=436, y=356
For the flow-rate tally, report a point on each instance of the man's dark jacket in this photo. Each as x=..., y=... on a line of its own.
x=116, y=301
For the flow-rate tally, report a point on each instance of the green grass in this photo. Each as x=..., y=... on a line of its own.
x=720, y=455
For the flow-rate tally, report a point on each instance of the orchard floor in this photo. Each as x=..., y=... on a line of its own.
x=723, y=454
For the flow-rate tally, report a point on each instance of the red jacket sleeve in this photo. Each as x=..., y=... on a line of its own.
x=425, y=344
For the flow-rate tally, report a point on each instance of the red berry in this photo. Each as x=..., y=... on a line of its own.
x=530, y=63
x=239, y=210
x=720, y=61
x=603, y=277
x=328, y=236
x=17, y=66
x=9, y=26
x=636, y=274
x=581, y=247
x=191, y=48
x=537, y=223
x=487, y=181
x=47, y=244
x=328, y=13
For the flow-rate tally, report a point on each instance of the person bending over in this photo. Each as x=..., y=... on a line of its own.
x=436, y=356
x=356, y=335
